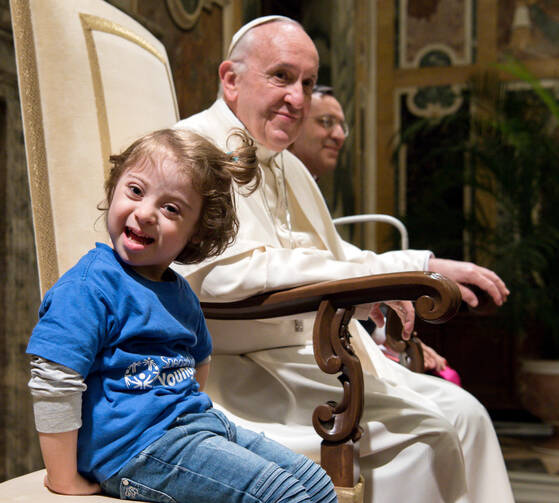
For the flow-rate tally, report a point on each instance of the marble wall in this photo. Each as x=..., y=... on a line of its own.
x=19, y=287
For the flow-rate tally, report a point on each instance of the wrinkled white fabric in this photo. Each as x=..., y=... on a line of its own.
x=423, y=436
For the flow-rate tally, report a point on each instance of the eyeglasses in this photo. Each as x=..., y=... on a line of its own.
x=328, y=122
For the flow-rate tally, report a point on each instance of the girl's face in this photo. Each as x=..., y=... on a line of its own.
x=153, y=215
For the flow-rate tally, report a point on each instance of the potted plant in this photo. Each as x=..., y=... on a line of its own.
x=504, y=146
x=539, y=377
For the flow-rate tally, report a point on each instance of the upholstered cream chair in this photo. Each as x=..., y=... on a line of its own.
x=92, y=80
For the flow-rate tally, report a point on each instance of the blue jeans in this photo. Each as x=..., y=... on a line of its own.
x=205, y=458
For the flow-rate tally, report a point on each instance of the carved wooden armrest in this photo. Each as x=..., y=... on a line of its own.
x=436, y=300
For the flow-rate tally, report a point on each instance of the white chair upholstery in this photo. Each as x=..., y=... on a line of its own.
x=91, y=80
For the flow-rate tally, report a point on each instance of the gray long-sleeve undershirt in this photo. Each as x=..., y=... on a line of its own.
x=57, y=396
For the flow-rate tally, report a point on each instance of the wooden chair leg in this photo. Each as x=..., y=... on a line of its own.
x=338, y=423
x=341, y=461
x=353, y=494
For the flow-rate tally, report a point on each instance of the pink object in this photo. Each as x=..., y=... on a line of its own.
x=449, y=374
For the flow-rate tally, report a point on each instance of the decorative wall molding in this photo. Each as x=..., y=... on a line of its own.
x=446, y=24
x=185, y=13
x=434, y=101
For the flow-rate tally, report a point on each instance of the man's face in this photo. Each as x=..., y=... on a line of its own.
x=322, y=135
x=271, y=97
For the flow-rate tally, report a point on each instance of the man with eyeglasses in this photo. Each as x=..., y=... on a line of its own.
x=322, y=134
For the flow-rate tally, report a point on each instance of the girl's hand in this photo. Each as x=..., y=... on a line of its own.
x=59, y=454
x=432, y=359
x=78, y=486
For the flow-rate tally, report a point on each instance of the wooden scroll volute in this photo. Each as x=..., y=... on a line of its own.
x=338, y=422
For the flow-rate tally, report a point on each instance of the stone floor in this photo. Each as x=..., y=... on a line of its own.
x=534, y=473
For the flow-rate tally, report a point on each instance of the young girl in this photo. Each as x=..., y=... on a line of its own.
x=121, y=350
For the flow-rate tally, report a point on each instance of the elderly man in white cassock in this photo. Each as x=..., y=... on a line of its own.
x=424, y=439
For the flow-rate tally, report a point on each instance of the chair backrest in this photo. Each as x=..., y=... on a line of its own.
x=91, y=80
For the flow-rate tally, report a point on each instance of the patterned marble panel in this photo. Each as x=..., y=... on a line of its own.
x=19, y=286
x=529, y=29
x=194, y=54
x=434, y=32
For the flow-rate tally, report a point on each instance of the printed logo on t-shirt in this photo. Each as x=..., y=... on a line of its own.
x=145, y=374
x=141, y=374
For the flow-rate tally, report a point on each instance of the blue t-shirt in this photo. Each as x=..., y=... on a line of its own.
x=136, y=342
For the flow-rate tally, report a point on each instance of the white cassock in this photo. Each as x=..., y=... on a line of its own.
x=425, y=440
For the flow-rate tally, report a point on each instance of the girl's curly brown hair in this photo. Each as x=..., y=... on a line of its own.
x=212, y=173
